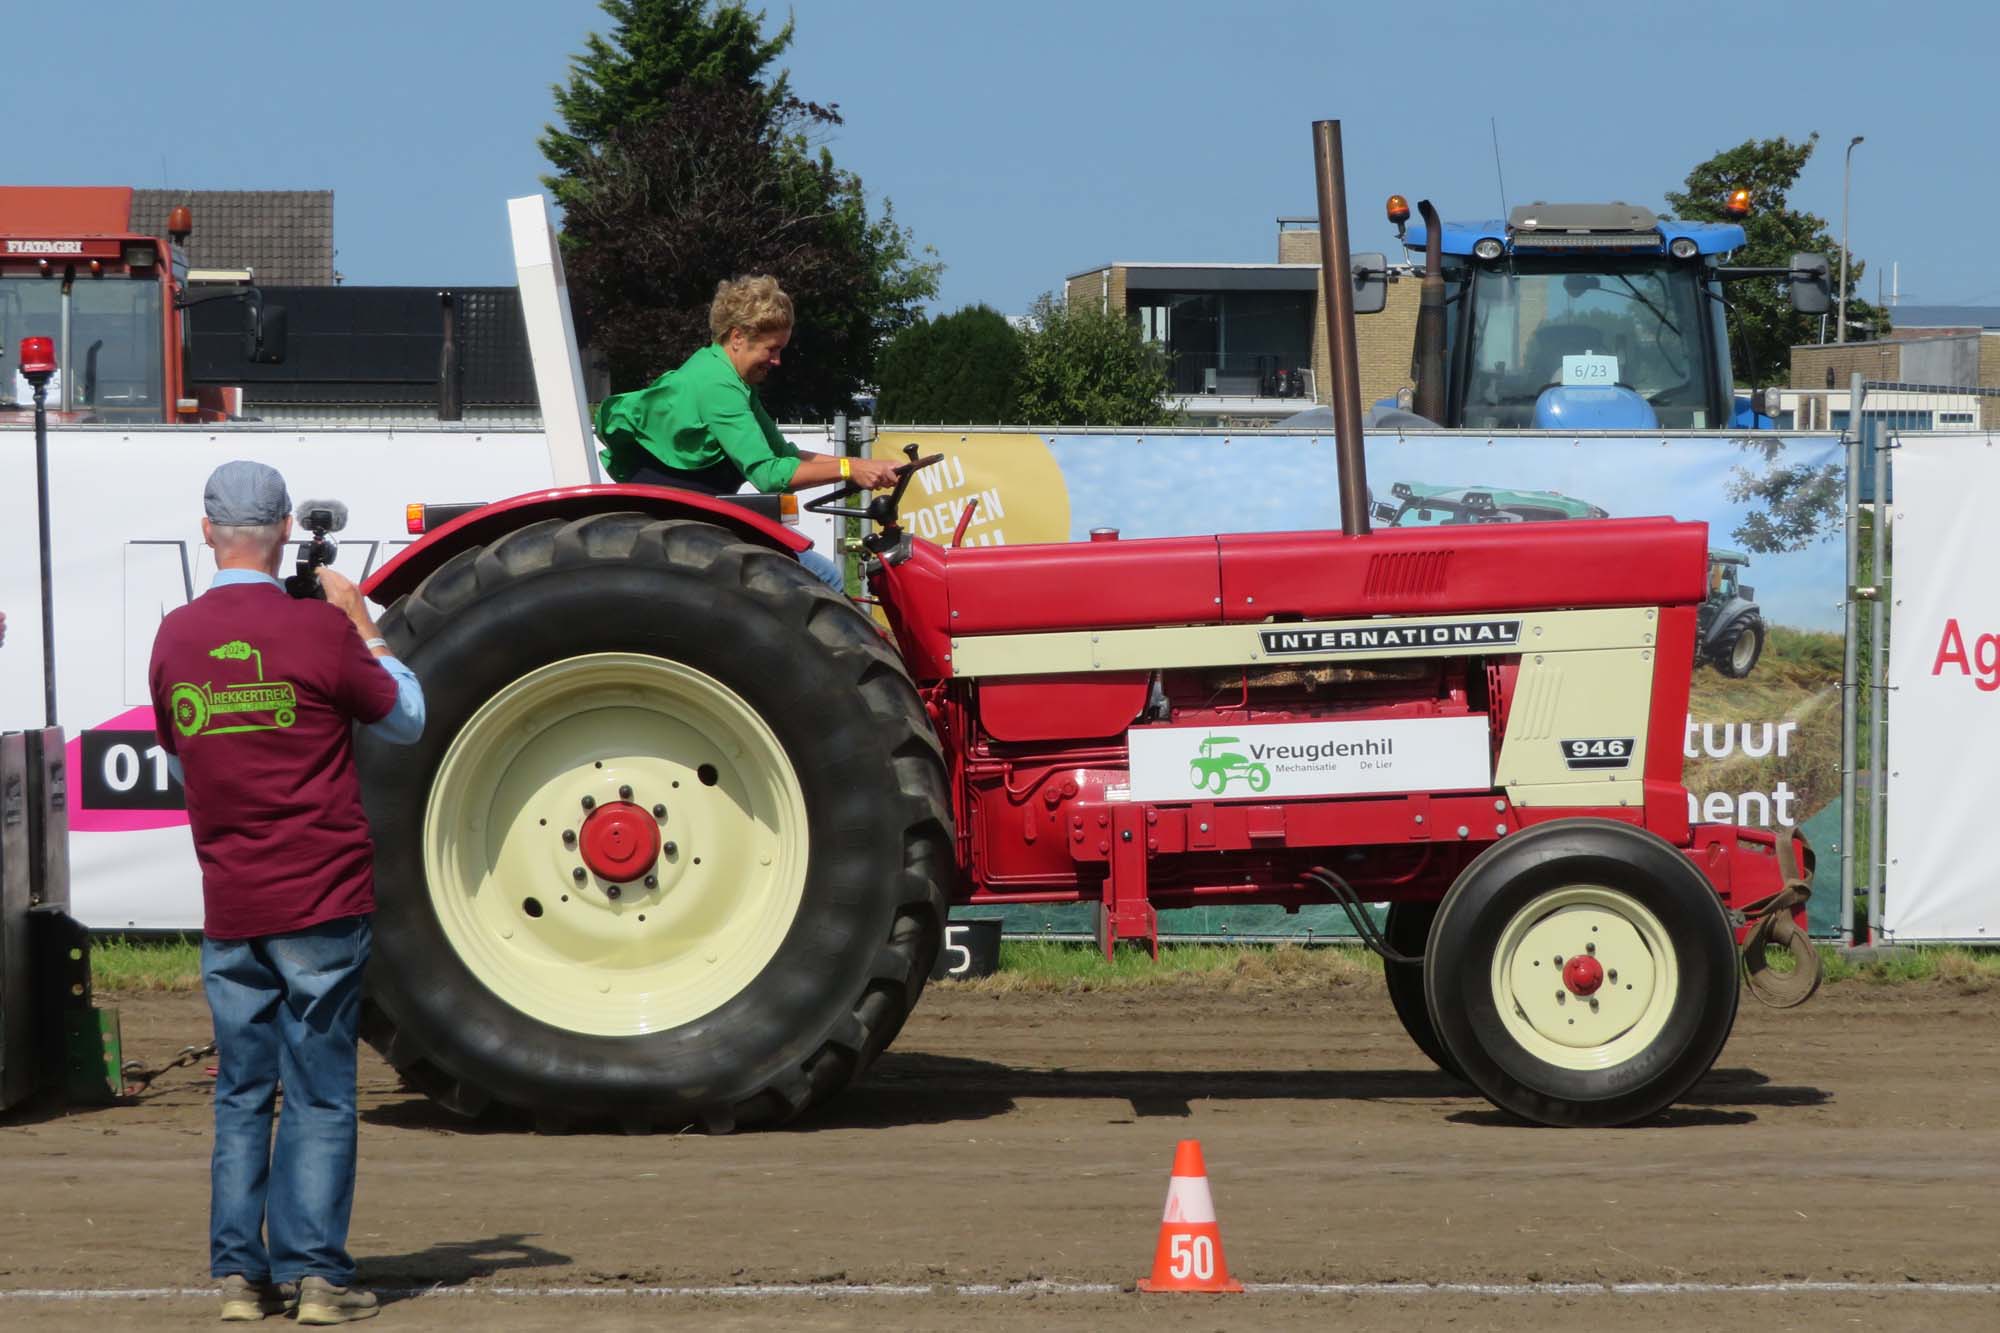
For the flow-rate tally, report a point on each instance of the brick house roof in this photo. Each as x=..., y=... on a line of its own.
x=286, y=236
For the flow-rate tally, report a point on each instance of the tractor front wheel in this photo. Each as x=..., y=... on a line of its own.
x=675, y=845
x=1582, y=972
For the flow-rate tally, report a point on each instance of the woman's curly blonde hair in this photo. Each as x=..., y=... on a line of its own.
x=756, y=304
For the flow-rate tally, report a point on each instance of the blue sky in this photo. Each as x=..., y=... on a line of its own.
x=1030, y=139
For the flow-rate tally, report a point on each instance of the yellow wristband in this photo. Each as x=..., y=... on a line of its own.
x=846, y=467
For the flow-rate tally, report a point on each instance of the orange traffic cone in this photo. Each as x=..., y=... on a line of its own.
x=1189, y=1257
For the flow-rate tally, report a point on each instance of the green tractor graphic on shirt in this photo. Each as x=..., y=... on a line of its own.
x=1215, y=768
x=196, y=708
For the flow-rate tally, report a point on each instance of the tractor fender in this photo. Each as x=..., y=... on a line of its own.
x=490, y=522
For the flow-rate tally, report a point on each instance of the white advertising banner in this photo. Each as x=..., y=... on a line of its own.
x=125, y=519
x=1279, y=759
x=1944, y=679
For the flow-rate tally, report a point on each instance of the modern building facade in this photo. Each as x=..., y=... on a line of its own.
x=1246, y=343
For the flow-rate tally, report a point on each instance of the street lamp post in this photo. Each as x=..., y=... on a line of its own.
x=1846, y=176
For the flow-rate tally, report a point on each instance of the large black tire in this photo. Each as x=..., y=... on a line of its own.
x=1557, y=889
x=1408, y=933
x=1743, y=644
x=877, y=860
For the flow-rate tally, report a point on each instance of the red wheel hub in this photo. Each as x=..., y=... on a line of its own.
x=1583, y=974
x=620, y=841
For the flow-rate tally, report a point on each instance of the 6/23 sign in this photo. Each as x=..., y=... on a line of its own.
x=127, y=770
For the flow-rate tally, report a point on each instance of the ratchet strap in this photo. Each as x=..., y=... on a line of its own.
x=1773, y=924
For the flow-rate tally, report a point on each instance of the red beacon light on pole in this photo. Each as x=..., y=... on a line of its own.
x=38, y=359
x=1738, y=206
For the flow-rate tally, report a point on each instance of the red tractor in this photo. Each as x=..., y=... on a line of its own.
x=680, y=839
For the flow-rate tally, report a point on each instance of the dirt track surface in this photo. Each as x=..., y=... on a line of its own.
x=1014, y=1138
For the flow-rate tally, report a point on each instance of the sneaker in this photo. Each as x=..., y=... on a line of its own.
x=244, y=1301
x=320, y=1302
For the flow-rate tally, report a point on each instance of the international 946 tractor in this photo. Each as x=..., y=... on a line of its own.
x=680, y=840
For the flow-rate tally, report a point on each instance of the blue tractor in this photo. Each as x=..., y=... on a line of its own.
x=1576, y=317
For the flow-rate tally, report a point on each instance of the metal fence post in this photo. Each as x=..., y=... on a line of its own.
x=1878, y=662
x=1849, y=665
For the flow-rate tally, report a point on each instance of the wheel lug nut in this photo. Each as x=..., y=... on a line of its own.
x=590, y=802
x=671, y=848
x=612, y=890
x=1559, y=960
x=1590, y=948
x=569, y=837
x=1562, y=997
x=625, y=793
x=578, y=874
x=652, y=881
x=659, y=812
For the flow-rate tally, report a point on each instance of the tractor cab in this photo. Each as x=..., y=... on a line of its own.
x=1586, y=317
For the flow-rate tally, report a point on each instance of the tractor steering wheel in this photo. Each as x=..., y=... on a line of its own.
x=881, y=509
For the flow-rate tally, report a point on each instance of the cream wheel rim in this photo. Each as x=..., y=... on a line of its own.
x=1585, y=977
x=536, y=924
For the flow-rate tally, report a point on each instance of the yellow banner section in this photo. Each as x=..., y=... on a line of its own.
x=1013, y=477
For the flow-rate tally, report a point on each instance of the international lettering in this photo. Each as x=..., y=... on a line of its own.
x=17, y=247
x=1392, y=635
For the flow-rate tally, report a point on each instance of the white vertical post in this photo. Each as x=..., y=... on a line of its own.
x=552, y=342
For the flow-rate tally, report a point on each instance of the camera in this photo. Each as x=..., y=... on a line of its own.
x=318, y=517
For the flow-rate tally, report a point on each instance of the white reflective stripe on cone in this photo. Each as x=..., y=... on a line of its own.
x=1188, y=1200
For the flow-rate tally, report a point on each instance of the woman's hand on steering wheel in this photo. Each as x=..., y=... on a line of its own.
x=874, y=474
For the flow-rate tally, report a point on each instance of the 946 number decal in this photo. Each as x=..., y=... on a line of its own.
x=1598, y=751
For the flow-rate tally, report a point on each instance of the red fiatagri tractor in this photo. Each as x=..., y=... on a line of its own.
x=679, y=841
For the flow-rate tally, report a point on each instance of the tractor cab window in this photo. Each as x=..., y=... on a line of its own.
x=110, y=366
x=1526, y=318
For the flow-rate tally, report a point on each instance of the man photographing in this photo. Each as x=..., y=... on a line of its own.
x=255, y=695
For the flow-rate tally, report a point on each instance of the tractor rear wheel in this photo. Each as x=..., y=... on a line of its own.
x=1745, y=646
x=1582, y=972
x=675, y=845
x=1408, y=933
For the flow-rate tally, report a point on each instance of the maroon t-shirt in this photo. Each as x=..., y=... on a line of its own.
x=256, y=692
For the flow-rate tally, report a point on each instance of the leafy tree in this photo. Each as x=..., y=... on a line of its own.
x=1082, y=367
x=656, y=47
x=681, y=164
x=960, y=368
x=1763, y=327
x=1798, y=503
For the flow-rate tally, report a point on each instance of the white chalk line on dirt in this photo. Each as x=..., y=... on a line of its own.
x=825, y=1291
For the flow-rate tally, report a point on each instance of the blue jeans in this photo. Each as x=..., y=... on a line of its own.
x=824, y=568
x=285, y=1008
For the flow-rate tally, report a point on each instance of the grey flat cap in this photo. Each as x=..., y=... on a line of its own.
x=243, y=494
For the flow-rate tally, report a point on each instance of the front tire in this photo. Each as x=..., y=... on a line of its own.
x=1641, y=1003
x=675, y=846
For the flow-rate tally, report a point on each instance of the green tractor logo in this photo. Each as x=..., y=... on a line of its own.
x=1215, y=768
x=196, y=708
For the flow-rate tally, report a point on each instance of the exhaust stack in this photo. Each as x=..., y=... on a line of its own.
x=1429, y=401
x=1339, y=308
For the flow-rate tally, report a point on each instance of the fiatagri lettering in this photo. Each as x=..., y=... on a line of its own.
x=1982, y=663
x=1325, y=750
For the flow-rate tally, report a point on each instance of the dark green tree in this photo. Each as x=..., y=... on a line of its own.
x=1763, y=327
x=681, y=162
x=656, y=47
x=960, y=368
x=1082, y=367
